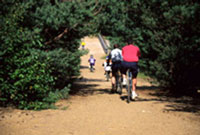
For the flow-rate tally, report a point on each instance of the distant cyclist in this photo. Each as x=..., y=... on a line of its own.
x=83, y=45
x=116, y=58
x=107, y=66
x=131, y=54
x=92, y=61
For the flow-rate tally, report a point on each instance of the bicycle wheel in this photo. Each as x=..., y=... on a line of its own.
x=129, y=85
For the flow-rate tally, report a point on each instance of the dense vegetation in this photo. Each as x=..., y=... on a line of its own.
x=39, y=54
x=39, y=41
x=168, y=34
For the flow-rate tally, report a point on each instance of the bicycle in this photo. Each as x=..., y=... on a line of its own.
x=129, y=85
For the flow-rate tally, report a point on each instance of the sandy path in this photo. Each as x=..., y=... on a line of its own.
x=92, y=110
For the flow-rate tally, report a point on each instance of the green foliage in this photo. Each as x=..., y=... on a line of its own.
x=37, y=66
x=61, y=64
x=23, y=79
x=170, y=46
x=167, y=33
x=174, y=45
x=56, y=95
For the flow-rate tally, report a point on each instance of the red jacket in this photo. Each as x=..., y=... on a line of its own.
x=131, y=53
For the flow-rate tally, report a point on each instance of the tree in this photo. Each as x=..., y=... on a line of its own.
x=165, y=31
x=39, y=51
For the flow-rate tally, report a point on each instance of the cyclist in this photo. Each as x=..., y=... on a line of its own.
x=107, y=66
x=131, y=54
x=92, y=61
x=116, y=58
x=83, y=45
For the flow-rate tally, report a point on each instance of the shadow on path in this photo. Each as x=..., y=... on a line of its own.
x=84, y=67
x=179, y=103
x=84, y=88
x=156, y=94
x=142, y=89
x=174, y=103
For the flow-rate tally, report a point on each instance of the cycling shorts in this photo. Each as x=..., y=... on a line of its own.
x=92, y=64
x=115, y=67
x=133, y=66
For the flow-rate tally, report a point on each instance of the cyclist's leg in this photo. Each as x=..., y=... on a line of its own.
x=109, y=73
x=134, y=82
x=120, y=79
x=93, y=66
x=134, y=71
x=123, y=71
x=113, y=80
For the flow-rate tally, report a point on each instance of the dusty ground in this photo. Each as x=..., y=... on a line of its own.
x=92, y=110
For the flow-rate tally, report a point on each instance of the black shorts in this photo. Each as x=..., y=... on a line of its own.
x=91, y=64
x=133, y=66
x=115, y=67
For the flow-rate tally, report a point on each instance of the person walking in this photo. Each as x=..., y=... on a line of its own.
x=131, y=54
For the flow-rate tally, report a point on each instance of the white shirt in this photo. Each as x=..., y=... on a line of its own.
x=116, y=55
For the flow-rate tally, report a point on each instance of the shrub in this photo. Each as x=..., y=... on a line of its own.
x=35, y=68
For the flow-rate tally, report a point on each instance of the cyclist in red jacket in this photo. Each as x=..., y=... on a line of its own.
x=131, y=54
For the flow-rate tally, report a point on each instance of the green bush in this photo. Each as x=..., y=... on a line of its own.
x=171, y=49
x=61, y=64
x=36, y=68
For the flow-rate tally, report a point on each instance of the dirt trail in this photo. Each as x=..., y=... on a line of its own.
x=92, y=110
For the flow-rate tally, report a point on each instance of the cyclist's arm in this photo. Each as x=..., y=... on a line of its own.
x=109, y=58
x=122, y=53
